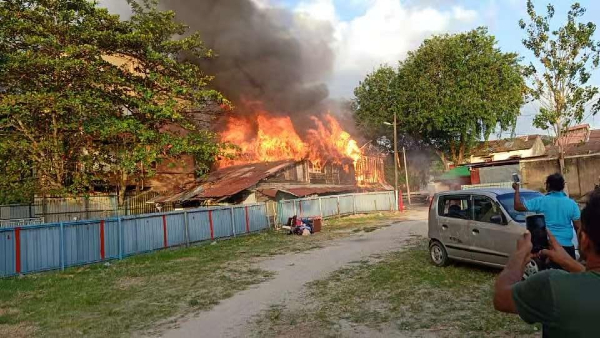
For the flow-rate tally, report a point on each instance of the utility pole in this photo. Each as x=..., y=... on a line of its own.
x=396, y=162
x=406, y=175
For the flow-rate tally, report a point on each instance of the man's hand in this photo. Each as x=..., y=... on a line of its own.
x=519, y=206
x=512, y=274
x=524, y=247
x=558, y=255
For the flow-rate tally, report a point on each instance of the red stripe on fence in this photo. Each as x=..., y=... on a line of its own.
x=247, y=221
x=18, y=250
x=212, y=231
x=102, y=249
x=166, y=242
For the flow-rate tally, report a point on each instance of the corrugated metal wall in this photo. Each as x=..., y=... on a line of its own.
x=336, y=205
x=58, y=245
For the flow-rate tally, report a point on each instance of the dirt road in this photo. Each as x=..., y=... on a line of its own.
x=232, y=316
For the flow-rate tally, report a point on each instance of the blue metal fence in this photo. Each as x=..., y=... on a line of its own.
x=336, y=205
x=58, y=245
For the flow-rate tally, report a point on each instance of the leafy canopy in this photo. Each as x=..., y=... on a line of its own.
x=449, y=93
x=88, y=98
x=565, y=58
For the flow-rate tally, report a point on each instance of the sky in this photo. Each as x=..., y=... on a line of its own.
x=369, y=33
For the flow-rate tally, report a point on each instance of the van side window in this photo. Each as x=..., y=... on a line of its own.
x=455, y=206
x=484, y=209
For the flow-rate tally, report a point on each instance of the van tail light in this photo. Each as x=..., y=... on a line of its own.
x=431, y=202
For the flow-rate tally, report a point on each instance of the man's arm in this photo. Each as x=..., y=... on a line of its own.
x=577, y=225
x=512, y=274
x=519, y=206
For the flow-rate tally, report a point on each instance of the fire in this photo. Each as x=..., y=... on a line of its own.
x=272, y=139
x=267, y=138
x=331, y=140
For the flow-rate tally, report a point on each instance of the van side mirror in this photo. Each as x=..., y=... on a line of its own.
x=496, y=219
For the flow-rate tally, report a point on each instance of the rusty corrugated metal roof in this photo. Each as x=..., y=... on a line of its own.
x=505, y=145
x=586, y=148
x=228, y=181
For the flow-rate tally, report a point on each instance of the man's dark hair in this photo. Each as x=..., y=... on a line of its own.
x=555, y=182
x=590, y=219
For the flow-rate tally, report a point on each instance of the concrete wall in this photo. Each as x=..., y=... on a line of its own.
x=497, y=174
x=581, y=173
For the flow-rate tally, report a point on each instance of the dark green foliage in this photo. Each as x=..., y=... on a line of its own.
x=448, y=94
x=84, y=96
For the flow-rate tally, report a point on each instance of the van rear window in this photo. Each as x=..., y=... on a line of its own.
x=455, y=206
x=508, y=202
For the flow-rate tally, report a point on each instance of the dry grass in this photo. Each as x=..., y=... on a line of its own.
x=401, y=294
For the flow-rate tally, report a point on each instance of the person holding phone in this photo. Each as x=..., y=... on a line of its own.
x=566, y=303
x=561, y=212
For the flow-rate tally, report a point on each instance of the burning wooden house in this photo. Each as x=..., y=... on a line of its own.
x=269, y=160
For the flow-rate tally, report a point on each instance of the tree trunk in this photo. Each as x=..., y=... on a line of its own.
x=443, y=158
x=461, y=151
x=122, y=188
x=453, y=154
x=561, y=154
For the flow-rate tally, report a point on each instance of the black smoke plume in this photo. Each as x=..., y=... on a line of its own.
x=263, y=54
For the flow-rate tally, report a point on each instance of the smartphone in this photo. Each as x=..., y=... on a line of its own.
x=516, y=178
x=536, y=224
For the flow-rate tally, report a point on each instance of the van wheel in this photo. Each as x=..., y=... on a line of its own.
x=438, y=254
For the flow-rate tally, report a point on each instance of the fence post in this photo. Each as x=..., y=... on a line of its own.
x=267, y=215
x=232, y=222
x=338, y=206
x=102, y=247
x=320, y=207
x=120, y=237
x=247, y=220
x=212, y=230
x=165, y=234
x=295, y=209
x=186, y=226
x=354, y=204
x=18, y=250
x=61, y=246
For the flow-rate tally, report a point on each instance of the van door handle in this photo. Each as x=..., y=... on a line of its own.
x=475, y=231
x=444, y=226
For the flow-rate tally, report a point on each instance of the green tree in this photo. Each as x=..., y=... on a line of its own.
x=559, y=82
x=450, y=93
x=88, y=98
x=374, y=101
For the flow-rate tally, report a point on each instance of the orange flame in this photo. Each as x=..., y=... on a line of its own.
x=268, y=138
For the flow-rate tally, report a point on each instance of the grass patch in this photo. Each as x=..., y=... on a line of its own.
x=405, y=294
x=360, y=219
x=121, y=297
x=362, y=222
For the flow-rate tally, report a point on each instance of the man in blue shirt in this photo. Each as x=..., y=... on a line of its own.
x=561, y=212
